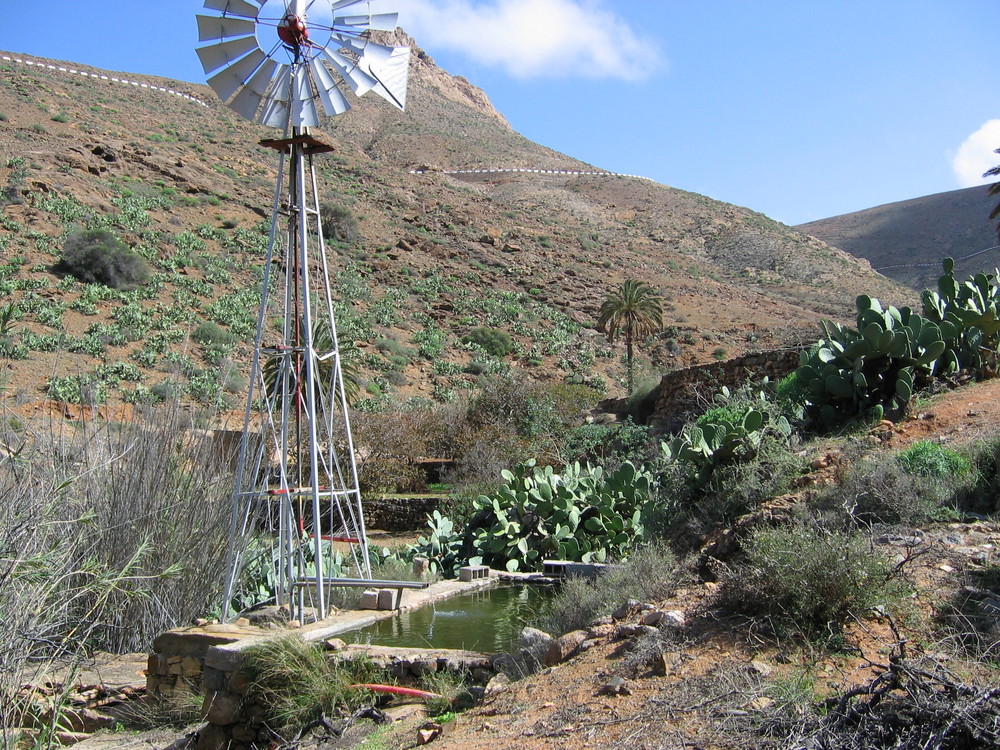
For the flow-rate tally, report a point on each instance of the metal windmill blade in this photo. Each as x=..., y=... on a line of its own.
x=281, y=63
x=278, y=61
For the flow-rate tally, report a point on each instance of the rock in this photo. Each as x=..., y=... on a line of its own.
x=534, y=640
x=761, y=704
x=990, y=607
x=589, y=644
x=673, y=618
x=386, y=599
x=601, y=631
x=223, y=709
x=761, y=668
x=424, y=666
x=626, y=610
x=614, y=686
x=335, y=644
x=497, y=684
x=634, y=630
x=564, y=647
x=243, y=733
x=652, y=618
x=427, y=735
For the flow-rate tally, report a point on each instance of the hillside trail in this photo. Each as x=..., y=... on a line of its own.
x=953, y=417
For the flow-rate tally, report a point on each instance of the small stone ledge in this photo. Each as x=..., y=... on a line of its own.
x=206, y=661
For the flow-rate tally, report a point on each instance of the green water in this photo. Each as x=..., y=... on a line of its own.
x=487, y=622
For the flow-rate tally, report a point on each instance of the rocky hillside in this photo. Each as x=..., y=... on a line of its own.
x=185, y=184
x=908, y=240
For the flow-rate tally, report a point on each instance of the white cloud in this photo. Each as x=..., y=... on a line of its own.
x=977, y=155
x=535, y=38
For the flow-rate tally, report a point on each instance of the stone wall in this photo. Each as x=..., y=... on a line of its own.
x=680, y=392
x=399, y=513
x=206, y=663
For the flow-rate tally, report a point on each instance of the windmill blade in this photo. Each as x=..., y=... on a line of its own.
x=378, y=22
x=211, y=28
x=361, y=5
x=226, y=83
x=334, y=102
x=280, y=88
x=234, y=7
x=359, y=81
x=215, y=56
x=248, y=100
x=392, y=76
x=304, y=114
x=275, y=115
x=364, y=48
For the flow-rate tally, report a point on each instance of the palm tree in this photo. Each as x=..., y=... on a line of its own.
x=995, y=190
x=633, y=309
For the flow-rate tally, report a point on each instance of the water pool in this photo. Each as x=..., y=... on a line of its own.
x=487, y=622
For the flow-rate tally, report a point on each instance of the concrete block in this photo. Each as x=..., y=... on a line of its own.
x=386, y=599
x=471, y=573
x=554, y=568
x=369, y=599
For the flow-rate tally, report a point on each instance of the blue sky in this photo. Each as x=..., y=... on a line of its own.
x=797, y=108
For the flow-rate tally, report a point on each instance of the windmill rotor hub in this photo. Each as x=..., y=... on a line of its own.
x=293, y=31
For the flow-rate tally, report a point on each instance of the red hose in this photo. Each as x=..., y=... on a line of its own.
x=396, y=690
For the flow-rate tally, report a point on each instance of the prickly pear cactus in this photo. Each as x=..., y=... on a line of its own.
x=969, y=316
x=872, y=369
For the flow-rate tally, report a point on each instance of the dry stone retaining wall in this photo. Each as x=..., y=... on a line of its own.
x=680, y=391
x=399, y=513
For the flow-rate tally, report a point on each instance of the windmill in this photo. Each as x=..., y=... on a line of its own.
x=278, y=62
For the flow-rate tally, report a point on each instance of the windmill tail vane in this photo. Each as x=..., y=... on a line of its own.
x=297, y=502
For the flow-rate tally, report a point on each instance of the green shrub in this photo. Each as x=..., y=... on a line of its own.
x=809, y=579
x=297, y=682
x=491, y=340
x=607, y=445
x=85, y=390
x=928, y=459
x=212, y=334
x=912, y=487
x=98, y=256
x=650, y=574
x=338, y=224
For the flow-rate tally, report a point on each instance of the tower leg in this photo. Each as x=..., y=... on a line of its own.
x=297, y=483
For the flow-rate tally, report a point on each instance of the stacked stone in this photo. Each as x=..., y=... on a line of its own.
x=399, y=513
x=186, y=663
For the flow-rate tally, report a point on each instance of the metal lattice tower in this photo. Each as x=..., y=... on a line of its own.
x=296, y=493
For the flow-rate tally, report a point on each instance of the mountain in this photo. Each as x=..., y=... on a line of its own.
x=183, y=181
x=908, y=240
